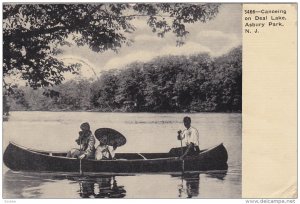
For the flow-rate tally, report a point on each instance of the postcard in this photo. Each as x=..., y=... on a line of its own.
x=149, y=100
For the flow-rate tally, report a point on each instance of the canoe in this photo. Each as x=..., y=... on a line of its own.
x=19, y=158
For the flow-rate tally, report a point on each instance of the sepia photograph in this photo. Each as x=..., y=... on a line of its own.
x=122, y=100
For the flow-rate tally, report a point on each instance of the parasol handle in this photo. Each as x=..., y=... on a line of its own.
x=110, y=157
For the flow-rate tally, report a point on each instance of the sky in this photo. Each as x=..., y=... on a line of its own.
x=216, y=37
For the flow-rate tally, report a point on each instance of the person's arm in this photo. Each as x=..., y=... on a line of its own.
x=78, y=140
x=110, y=151
x=191, y=145
x=195, y=137
x=113, y=151
x=90, y=147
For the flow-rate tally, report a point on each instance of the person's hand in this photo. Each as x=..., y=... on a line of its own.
x=115, y=145
x=81, y=156
x=179, y=135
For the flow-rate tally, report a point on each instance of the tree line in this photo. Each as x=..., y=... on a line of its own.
x=195, y=83
x=33, y=33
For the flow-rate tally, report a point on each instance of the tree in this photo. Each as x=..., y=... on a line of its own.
x=228, y=80
x=103, y=91
x=36, y=100
x=131, y=87
x=161, y=77
x=33, y=33
x=197, y=83
x=15, y=100
x=74, y=95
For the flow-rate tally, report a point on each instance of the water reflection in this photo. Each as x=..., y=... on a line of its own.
x=24, y=185
x=217, y=174
x=190, y=182
x=191, y=185
x=99, y=187
x=50, y=185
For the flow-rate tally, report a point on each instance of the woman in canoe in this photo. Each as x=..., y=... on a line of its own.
x=86, y=141
x=105, y=152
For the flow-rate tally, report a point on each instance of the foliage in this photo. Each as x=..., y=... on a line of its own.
x=104, y=91
x=33, y=33
x=74, y=95
x=197, y=83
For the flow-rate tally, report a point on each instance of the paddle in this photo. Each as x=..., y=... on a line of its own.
x=80, y=169
x=179, y=137
x=181, y=147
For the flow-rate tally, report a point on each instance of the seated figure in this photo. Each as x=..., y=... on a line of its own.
x=86, y=141
x=105, y=152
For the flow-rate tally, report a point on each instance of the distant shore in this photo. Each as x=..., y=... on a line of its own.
x=171, y=84
x=99, y=111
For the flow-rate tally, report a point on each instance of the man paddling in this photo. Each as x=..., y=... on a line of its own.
x=191, y=136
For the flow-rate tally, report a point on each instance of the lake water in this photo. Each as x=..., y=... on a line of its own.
x=145, y=132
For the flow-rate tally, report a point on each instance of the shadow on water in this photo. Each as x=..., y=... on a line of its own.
x=190, y=182
x=30, y=185
x=191, y=188
x=217, y=174
x=99, y=187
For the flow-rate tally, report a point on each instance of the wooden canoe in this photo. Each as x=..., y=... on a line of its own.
x=19, y=158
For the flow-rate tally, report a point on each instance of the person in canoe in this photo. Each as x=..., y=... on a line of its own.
x=191, y=137
x=86, y=141
x=110, y=140
x=104, y=151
